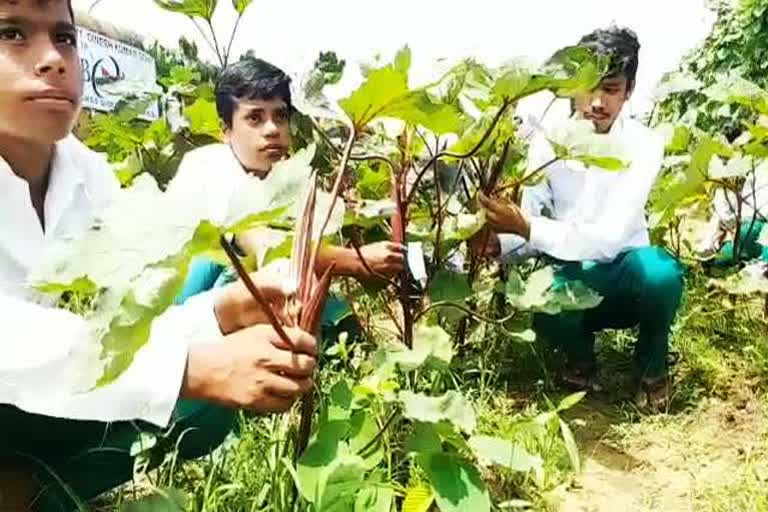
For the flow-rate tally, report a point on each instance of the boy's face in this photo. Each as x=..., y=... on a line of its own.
x=261, y=133
x=603, y=105
x=40, y=77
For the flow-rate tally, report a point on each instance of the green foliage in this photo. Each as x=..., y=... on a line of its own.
x=193, y=8
x=544, y=292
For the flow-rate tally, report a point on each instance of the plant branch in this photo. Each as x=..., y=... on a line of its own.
x=257, y=295
x=213, y=48
x=367, y=267
x=232, y=39
x=449, y=304
x=334, y=195
x=461, y=156
x=378, y=435
x=222, y=59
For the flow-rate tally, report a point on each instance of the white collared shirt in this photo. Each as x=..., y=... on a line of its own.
x=581, y=214
x=49, y=359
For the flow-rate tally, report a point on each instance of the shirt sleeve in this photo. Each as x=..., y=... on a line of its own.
x=42, y=345
x=535, y=200
x=603, y=239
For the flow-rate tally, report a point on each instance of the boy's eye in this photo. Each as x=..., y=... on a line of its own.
x=11, y=34
x=255, y=117
x=67, y=38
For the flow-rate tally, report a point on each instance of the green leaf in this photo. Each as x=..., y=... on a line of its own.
x=675, y=83
x=735, y=89
x=424, y=439
x=512, y=82
x=203, y=118
x=569, y=401
x=501, y=452
x=577, y=140
x=374, y=499
x=374, y=183
x=241, y=5
x=363, y=430
x=139, y=251
x=677, y=137
x=738, y=166
x=570, y=445
x=193, y=8
x=448, y=286
x=418, y=498
x=385, y=93
x=545, y=293
x=451, y=407
x=457, y=484
x=431, y=344
x=570, y=71
x=369, y=214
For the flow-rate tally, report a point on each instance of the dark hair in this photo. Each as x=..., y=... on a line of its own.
x=250, y=79
x=620, y=45
x=71, y=12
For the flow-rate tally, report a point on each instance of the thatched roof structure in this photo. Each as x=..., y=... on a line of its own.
x=84, y=20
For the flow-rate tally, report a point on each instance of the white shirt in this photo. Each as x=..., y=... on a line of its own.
x=212, y=172
x=49, y=357
x=579, y=213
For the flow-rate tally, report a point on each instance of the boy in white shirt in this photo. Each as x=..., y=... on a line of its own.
x=203, y=359
x=596, y=227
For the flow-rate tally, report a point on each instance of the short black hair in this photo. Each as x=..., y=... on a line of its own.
x=620, y=45
x=250, y=79
x=71, y=12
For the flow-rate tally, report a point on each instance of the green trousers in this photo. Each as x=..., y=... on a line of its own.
x=641, y=287
x=92, y=457
x=750, y=249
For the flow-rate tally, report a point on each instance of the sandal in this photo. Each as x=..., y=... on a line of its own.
x=581, y=378
x=653, y=394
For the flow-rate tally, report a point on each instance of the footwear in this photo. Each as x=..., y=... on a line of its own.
x=581, y=377
x=653, y=394
x=18, y=489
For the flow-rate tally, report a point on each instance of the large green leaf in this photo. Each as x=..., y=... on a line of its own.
x=374, y=499
x=570, y=71
x=451, y=407
x=193, y=8
x=431, y=344
x=456, y=482
x=418, y=498
x=545, y=293
x=448, y=286
x=241, y=5
x=738, y=166
x=203, y=118
x=577, y=140
x=374, y=183
x=675, y=83
x=677, y=137
x=692, y=184
x=735, y=89
x=385, y=93
x=139, y=251
x=424, y=439
x=494, y=450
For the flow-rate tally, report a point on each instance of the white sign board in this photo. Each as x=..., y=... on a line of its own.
x=113, y=70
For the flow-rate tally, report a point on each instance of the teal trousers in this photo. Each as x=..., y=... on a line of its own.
x=750, y=248
x=640, y=288
x=92, y=457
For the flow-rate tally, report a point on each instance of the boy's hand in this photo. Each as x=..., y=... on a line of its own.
x=485, y=243
x=503, y=217
x=384, y=258
x=252, y=369
x=236, y=308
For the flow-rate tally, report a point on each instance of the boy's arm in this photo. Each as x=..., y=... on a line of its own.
x=383, y=258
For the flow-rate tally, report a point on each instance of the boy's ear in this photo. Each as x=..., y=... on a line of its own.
x=226, y=132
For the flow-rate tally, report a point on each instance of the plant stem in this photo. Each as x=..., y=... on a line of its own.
x=206, y=39
x=222, y=59
x=460, y=156
x=232, y=39
x=448, y=304
x=255, y=292
x=378, y=435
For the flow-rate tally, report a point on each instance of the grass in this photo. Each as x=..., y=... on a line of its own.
x=708, y=452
